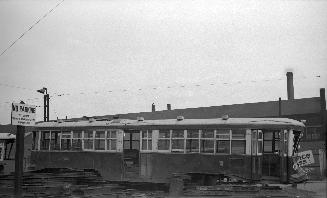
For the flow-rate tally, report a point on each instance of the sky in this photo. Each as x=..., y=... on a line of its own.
x=100, y=57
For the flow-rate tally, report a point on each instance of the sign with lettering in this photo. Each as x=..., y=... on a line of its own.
x=23, y=114
x=2, y=151
x=303, y=158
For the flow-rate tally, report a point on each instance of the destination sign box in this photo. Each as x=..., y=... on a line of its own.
x=23, y=114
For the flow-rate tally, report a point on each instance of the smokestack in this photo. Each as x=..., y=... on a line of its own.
x=153, y=107
x=290, y=87
x=168, y=106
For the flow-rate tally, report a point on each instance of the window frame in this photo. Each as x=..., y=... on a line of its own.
x=235, y=139
x=147, y=139
x=217, y=139
x=110, y=139
x=78, y=138
x=66, y=138
x=87, y=138
x=202, y=139
x=99, y=139
x=44, y=140
x=192, y=138
x=164, y=138
x=179, y=150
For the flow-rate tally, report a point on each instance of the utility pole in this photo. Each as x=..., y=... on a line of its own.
x=46, y=98
x=19, y=159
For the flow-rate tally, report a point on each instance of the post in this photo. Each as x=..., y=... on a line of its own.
x=48, y=107
x=45, y=108
x=280, y=107
x=19, y=158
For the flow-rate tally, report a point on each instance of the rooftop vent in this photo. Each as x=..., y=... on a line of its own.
x=60, y=121
x=116, y=116
x=92, y=119
x=225, y=117
x=140, y=119
x=180, y=118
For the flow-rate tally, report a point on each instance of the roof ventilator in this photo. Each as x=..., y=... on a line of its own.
x=60, y=121
x=180, y=118
x=92, y=119
x=225, y=117
x=140, y=119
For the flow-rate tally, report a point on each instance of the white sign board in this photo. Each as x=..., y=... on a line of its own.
x=303, y=158
x=2, y=151
x=23, y=114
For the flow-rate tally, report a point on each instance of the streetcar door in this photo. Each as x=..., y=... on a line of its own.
x=271, y=156
x=131, y=145
x=256, y=154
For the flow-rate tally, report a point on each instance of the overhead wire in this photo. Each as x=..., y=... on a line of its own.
x=181, y=86
x=31, y=27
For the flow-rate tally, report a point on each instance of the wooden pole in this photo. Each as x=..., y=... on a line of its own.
x=19, y=158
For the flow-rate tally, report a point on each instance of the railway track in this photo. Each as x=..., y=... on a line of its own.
x=88, y=183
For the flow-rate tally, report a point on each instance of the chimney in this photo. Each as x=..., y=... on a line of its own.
x=290, y=87
x=168, y=106
x=153, y=107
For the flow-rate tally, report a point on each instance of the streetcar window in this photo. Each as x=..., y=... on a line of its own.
x=238, y=134
x=45, y=140
x=99, y=141
x=238, y=141
x=192, y=141
x=35, y=145
x=88, y=140
x=112, y=140
x=77, y=140
x=207, y=134
x=276, y=142
x=223, y=146
x=177, y=141
x=55, y=141
x=238, y=147
x=260, y=141
x=66, y=140
x=207, y=141
x=268, y=141
x=146, y=140
x=164, y=140
x=223, y=141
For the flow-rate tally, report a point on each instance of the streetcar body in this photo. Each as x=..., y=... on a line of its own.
x=154, y=150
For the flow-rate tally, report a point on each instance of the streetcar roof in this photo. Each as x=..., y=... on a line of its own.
x=175, y=122
x=7, y=136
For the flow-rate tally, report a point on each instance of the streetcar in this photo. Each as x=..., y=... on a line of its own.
x=247, y=149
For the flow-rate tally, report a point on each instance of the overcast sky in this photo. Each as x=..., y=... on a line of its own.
x=120, y=56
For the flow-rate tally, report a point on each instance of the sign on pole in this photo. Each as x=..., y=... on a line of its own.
x=303, y=158
x=23, y=114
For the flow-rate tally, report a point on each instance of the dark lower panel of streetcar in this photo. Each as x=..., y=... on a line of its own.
x=159, y=167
